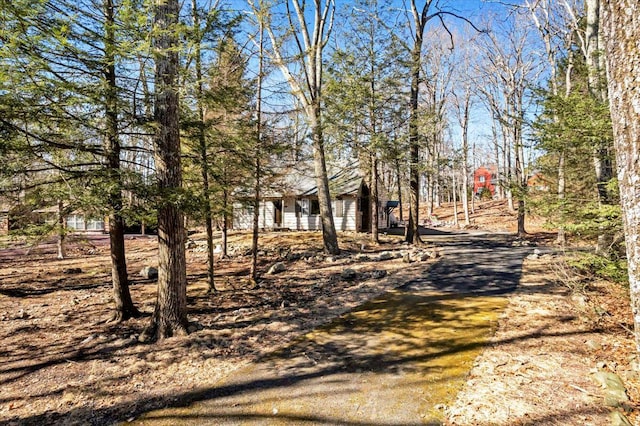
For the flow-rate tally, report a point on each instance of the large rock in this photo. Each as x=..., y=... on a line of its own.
x=378, y=274
x=619, y=419
x=425, y=256
x=615, y=392
x=349, y=274
x=276, y=268
x=149, y=273
x=385, y=255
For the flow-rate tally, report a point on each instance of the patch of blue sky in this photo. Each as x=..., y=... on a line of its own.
x=483, y=14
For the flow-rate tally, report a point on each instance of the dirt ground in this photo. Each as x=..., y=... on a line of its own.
x=61, y=363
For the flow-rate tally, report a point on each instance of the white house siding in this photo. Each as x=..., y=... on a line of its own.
x=243, y=215
x=291, y=221
x=267, y=214
x=289, y=213
x=346, y=222
x=349, y=220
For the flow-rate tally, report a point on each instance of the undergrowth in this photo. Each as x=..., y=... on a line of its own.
x=577, y=270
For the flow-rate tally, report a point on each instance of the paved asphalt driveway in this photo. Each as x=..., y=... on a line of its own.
x=396, y=360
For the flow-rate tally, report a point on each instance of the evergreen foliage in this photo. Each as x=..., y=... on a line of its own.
x=572, y=125
x=53, y=60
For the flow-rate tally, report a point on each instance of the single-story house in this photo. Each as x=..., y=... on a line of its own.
x=12, y=216
x=76, y=221
x=293, y=203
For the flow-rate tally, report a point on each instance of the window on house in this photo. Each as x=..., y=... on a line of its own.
x=302, y=207
x=481, y=179
x=315, y=207
x=75, y=222
x=95, y=225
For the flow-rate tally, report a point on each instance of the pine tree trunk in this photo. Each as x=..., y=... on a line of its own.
x=622, y=32
x=225, y=227
x=412, y=234
x=124, y=307
x=255, y=234
x=202, y=143
x=62, y=225
x=123, y=303
x=399, y=181
x=601, y=162
x=561, y=238
x=374, y=200
x=208, y=222
x=258, y=152
x=170, y=315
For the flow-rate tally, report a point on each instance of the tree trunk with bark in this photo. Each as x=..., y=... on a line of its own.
x=412, y=233
x=622, y=34
x=595, y=66
x=170, y=314
x=258, y=152
x=521, y=179
x=124, y=307
x=597, y=88
x=454, y=185
x=329, y=235
x=224, y=226
x=465, y=155
x=62, y=225
x=399, y=181
x=562, y=180
x=374, y=200
x=203, y=151
x=310, y=28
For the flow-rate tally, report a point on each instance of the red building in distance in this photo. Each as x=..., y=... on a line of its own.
x=485, y=179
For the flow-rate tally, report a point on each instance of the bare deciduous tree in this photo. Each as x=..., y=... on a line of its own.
x=308, y=30
x=510, y=69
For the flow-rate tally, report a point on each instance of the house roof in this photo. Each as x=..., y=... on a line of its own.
x=343, y=181
x=300, y=180
x=488, y=167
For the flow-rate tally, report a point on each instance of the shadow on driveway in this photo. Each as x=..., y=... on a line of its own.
x=397, y=360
